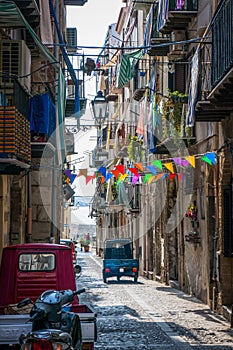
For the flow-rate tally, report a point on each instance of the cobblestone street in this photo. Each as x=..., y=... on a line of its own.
x=148, y=315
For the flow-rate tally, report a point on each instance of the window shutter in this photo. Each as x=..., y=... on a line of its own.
x=180, y=77
x=227, y=223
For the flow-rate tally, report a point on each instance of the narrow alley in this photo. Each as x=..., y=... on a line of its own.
x=148, y=315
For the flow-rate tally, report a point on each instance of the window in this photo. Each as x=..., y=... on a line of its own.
x=37, y=262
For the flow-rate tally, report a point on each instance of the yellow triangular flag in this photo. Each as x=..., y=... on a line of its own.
x=169, y=166
x=191, y=160
x=122, y=177
x=150, y=179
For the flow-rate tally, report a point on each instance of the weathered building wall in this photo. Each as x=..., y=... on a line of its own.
x=18, y=210
x=4, y=210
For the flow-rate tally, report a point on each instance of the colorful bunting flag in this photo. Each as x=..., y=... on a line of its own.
x=152, y=169
x=158, y=177
x=67, y=172
x=72, y=178
x=135, y=179
x=102, y=179
x=108, y=176
x=178, y=161
x=134, y=171
x=169, y=166
x=191, y=160
x=151, y=179
x=185, y=163
x=158, y=164
x=139, y=166
x=120, y=168
x=115, y=173
x=211, y=157
x=181, y=177
x=122, y=177
x=172, y=176
x=102, y=171
x=82, y=172
x=90, y=177
x=147, y=177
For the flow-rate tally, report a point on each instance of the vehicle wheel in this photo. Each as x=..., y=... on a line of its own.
x=78, y=345
x=135, y=279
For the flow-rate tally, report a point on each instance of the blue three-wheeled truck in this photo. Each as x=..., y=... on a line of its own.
x=118, y=259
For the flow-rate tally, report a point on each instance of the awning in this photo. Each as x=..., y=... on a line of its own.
x=11, y=16
x=126, y=67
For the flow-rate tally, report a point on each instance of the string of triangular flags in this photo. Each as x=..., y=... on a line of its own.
x=157, y=170
x=69, y=177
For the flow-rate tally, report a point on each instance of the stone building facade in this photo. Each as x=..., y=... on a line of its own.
x=182, y=230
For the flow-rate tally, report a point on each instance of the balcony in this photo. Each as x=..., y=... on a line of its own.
x=141, y=4
x=178, y=16
x=30, y=10
x=70, y=107
x=15, y=150
x=157, y=38
x=215, y=101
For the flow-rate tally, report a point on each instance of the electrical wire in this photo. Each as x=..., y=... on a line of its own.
x=193, y=40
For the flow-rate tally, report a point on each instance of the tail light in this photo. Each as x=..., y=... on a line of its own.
x=107, y=270
x=135, y=269
x=42, y=345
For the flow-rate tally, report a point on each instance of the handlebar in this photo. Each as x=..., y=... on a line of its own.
x=37, y=315
x=79, y=291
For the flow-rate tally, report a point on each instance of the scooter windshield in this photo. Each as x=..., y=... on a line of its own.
x=50, y=297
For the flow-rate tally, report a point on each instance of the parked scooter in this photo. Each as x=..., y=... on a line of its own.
x=53, y=326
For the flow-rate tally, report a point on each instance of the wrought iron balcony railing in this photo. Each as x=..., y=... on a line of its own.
x=215, y=100
x=15, y=135
x=179, y=14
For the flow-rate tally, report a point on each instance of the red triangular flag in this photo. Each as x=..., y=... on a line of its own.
x=171, y=176
x=120, y=168
x=134, y=171
x=90, y=177
x=115, y=173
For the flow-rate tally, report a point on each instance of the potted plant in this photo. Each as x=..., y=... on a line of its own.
x=85, y=244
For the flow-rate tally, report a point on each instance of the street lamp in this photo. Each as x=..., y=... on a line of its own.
x=100, y=110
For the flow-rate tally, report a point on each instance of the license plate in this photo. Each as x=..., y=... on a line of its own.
x=121, y=269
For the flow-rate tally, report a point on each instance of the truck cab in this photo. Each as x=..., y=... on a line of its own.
x=118, y=259
x=26, y=271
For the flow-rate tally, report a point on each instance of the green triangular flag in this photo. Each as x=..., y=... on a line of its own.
x=207, y=160
x=146, y=177
x=158, y=164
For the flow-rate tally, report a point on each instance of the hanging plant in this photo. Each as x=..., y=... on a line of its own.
x=173, y=115
x=135, y=150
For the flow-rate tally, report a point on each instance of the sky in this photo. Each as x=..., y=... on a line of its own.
x=92, y=21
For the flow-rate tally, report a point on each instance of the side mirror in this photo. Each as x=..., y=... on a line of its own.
x=77, y=269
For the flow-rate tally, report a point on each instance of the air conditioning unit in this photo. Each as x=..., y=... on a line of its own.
x=15, y=61
x=71, y=34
